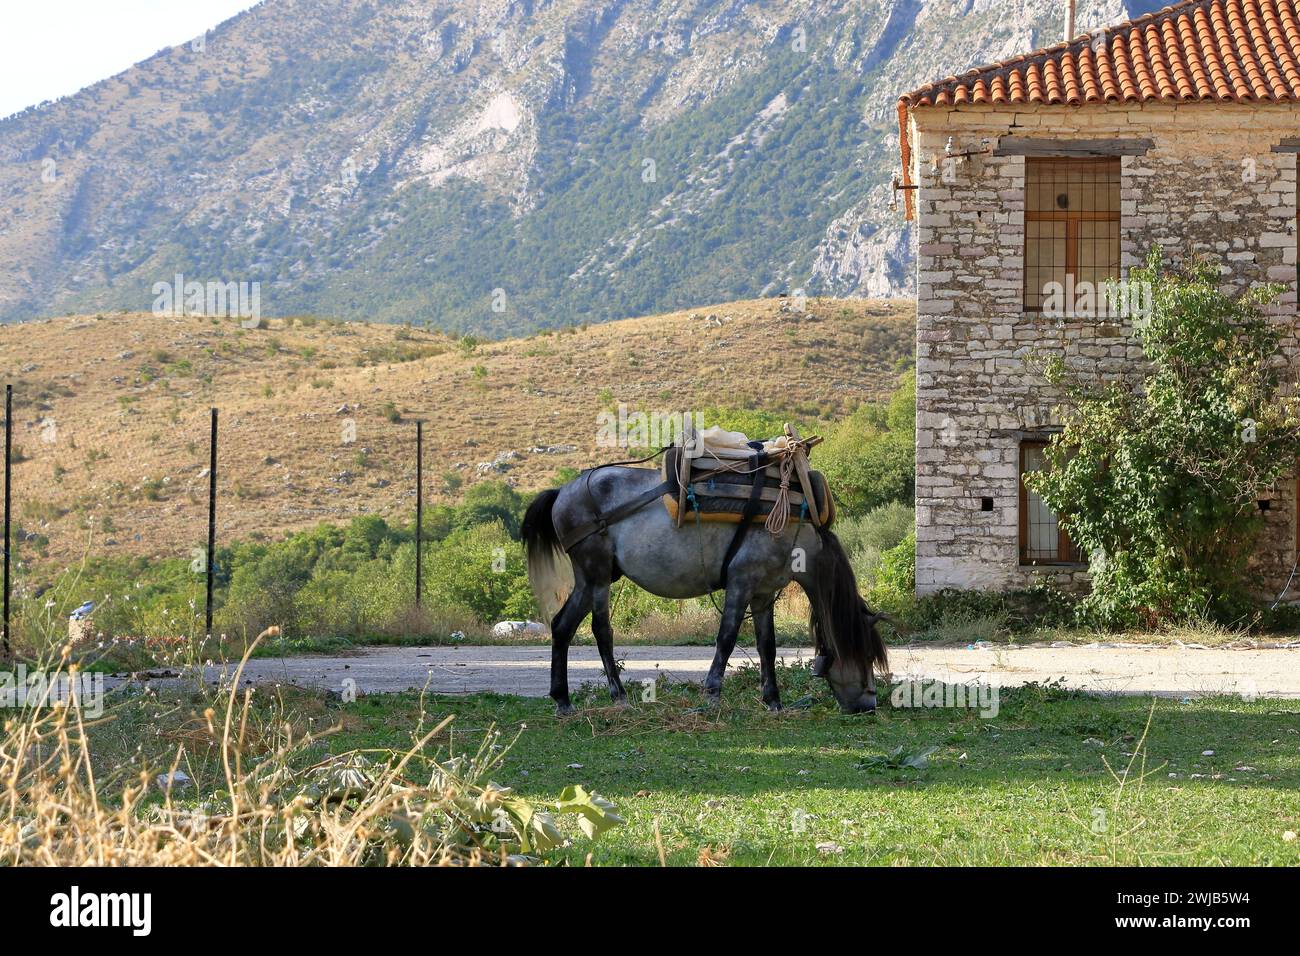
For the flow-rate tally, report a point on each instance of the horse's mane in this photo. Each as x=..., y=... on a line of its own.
x=839, y=618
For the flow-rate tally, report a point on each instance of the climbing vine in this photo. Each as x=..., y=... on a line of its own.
x=1158, y=477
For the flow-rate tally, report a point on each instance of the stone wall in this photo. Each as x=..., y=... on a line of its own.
x=1211, y=183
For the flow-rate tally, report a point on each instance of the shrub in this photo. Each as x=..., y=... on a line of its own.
x=490, y=501
x=869, y=458
x=894, y=589
x=867, y=537
x=133, y=597
x=1157, y=476
x=481, y=569
x=954, y=614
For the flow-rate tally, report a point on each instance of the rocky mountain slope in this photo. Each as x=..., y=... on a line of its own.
x=494, y=166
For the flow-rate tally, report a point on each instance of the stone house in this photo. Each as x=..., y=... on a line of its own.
x=1063, y=167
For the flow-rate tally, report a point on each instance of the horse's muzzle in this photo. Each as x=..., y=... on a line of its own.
x=863, y=705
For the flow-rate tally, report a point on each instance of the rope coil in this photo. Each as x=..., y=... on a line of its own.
x=780, y=513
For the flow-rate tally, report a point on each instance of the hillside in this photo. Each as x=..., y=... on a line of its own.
x=496, y=167
x=111, y=410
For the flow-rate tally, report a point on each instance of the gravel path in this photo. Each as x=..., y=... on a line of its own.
x=1118, y=669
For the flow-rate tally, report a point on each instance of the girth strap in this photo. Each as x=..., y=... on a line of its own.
x=602, y=522
x=746, y=519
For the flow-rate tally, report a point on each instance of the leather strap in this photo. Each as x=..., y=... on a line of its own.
x=601, y=522
x=746, y=519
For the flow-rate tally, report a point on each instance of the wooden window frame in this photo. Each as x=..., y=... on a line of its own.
x=1072, y=218
x=1067, y=554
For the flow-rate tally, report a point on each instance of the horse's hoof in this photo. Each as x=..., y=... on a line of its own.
x=621, y=702
x=712, y=701
x=564, y=710
x=773, y=707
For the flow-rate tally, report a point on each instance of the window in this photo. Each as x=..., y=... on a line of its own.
x=1042, y=539
x=1071, y=225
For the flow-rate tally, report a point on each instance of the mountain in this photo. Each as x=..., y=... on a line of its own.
x=493, y=167
x=111, y=411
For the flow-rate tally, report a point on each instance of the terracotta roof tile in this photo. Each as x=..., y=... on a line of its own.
x=1243, y=51
x=1223, y=50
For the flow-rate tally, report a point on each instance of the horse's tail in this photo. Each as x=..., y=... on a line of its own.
x=549, y=570
x=839, y=617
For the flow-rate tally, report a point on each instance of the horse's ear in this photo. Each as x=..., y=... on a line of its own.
x=819, y=665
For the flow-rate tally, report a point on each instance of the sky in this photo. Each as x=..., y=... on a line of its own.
x=51, y=48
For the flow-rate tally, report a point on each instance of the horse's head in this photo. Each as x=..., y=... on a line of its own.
x=853, y=686
x=849, y=647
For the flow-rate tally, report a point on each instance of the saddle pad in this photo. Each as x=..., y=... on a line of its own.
x=723, y=497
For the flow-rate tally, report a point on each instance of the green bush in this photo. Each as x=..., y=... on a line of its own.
x=867, y=537
x=894, y=589
x=490, y=501
x=366, y=601
x=1157, y=476
x=482, y=570
x=134, y=597
x=869, y=458
x=359, y=579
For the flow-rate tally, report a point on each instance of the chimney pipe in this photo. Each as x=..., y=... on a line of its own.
x=1069, y=20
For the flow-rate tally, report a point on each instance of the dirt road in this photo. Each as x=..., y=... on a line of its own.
x=1123, y=669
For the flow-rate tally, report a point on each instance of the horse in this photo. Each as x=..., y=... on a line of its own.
x=623, y=531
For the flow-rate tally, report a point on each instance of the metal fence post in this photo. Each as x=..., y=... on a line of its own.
x=9, y=467
x=212, y=521
x=419, y=505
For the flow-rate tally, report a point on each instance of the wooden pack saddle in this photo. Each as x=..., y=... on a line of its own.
x=730, y=483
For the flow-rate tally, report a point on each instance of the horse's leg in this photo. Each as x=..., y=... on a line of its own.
x=562, y=630
x=733, y=613
x=765, y=631
x=604, y=635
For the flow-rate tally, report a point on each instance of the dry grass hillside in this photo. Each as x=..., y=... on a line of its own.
x=111, y=411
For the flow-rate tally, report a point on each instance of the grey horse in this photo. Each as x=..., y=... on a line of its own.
x=650, y=550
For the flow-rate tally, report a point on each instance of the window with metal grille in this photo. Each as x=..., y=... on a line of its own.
x=1042, y=538
x=1071, y=225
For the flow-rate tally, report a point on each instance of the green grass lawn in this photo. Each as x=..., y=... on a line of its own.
x=1050, y=780
x=1056, y=777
